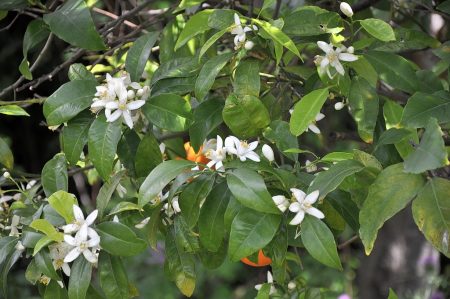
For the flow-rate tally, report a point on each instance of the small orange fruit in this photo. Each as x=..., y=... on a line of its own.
x=262, y=260
x=193, y=156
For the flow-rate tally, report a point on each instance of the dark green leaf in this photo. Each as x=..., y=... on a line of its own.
x=421, y=107
x=246, y=78
x=44, y=263
x=148, y=155
x=54, y=291
x=113, y=277
x=138, y=55
x=78, y=71
x=207, y=116
x=118, y=239
x=176, y=68
x=12, y=4
x=80, y=278
x=185, y=238
x=179, y=86
x=75, y=136
x=208, y=74
x=197, y=24
x=279, y=133
x=212, y=40
x=106, y=191
x=126, y=150
x=310, y=21
x=36, y=32
x=54, y=175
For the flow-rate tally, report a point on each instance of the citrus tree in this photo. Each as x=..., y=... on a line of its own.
x=203, y=123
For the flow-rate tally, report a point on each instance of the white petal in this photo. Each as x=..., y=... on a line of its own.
x=70, y=240
x=135, y=104
x=82, y=234
x=78, y=213
x=93, y=242
x=91, y=217
x=66, y=269
x=237, y=20
x=258, y=287
x=325, y=47
x=314, y=128
x=282, y=208
x=219, y=165
x=70, y=228
x=211, y=163
x=312, y=197
x=72, y=255
x=112, y=105
x=92, y=258
x=247, y=29
x=298, y=218
x=315, y=212
x=127, y=117
x=252, y=145
x=298, y=194
x=135, y=85
x=269, y=277
x=294, y=207
x=268, y=152
x=347, y=57
x=339, y=68
x=114, y=116
x=278, y=199
x=324, y=63
x=236, y=40
x=98, y=104
x=252, y=156
x=320, y=116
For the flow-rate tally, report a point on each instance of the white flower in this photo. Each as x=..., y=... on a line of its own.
x=249, y=45
x=268, y=152
x=241, y=148
x=216, y=156
x=310, y=167
x=172, y=208
x=14, y=227
x=346, y=9
x=82, y=243
x=122, y=108
x=312, y=126
x=19, y=246
x=269, y=281
x=58, y=252
x=79, y=220
x=339, y=105
x=116, y=219
x=6, y=175
x=332, y=58
x=30, y=184
x=292, y=285
x=303, y=205
x=162, y=148
x=240, y=31
x=143, y=223
x=281, y=202
x=176, y=205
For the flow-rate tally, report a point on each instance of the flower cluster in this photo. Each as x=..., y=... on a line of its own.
x=333, y=57
x=299, y=204
x=120, y=97
x=240, y=32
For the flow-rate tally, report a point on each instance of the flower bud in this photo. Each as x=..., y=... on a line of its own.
x=140, y=92
x=7, y=175
x=130, y=94
x=339, y=105
x=292, y=285
x=249, y=45
x=268, y=152
x=176, y=205
x=351, y=50
x=346, y=9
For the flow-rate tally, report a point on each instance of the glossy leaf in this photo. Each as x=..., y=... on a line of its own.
x=421, y=107
x=207, y=116
x=80, y=278
x=13, y=110
x=278, y=36
x=102, y=144
x=378, y=29
x=54, y=175
x=106, y=191
x=212, y=40
x=78, y=71
x=148, y=155
x=37, y=31
x=246, y=78
x=306, y=109
x=44, y=263
x=62, y=202
x=113, y=277
x=118, y=239
x=176, y=68
x=278, y=132
x=75, y=136
x=197, y=24
x=138, y=55
x=392, y=190
x=6, y=155
x=208, y=74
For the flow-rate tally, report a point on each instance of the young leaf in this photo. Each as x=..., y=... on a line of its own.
x=54, y=175
x=378, y=29
x=246, y=78
x=319, y=242
x=250, y=190
x=211, y=220
x=421, y=107
x=138, y=55
x=118, y=239
x=102, y=144
x=113, y=277
x=363, y=101
x=390, y=193
x=73, y=24
x=431, y=212
x=80, y=278
x=159, y=177
x=251, y=231
x=246, y=116
x=106, y=191
x=278, y=36
x=169, y=111
x=6, y=156
x=68, y=100
x=392, y=294
x=208, y=74
x=62, y=202
x=48, y=229
x=430, y=153
x=197, y=24
x=75, y=136
x=13, y=110
x=306, y=110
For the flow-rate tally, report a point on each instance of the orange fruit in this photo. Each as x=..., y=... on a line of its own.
x=262, y=260
x=193, y=156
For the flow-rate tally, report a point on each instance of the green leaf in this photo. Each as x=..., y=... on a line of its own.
x=113, y=277
x=103, y=138
x=246, y=78
x=310, y=21
x=393, y=135
x=138, y=55
x=421, y=107
x=62, y=202
x=211, y=221
x=106, y=191
x=264, y=291
x=208, y=74
x=75, y=136
x=278, y=132
x=430, y=153
x=12, y=4
x=155, y=182
x=378, y=29
x=251, y=231
x=212, y=40
x=179, y=86
x=118, y=239
x=250, y=190
x=363, y=101
x=431, y=212
x=392, y=294
x=197, y=24
x=246, y=116
x=54, y=291
x=444, y=6
x=221, y=18
x=78, y=71
x=68, y=100
x=13, y=110
x=394, y=70
x=37, y=31
x=73, y=24
x=328, y=180
x=126, y=150
x=278, y=36
x=148, y=155
x=186, y=4
x=44, y=263
x=124, y=206
x=6, y=156
x=176, y=68
x=191, y=197
x=48, y=229
x=319, y=242
x=12, y=257
x=391, y=192
x=80, y=278
x=42, y=243
x=168, y=111
x=306, y=110
x=185, y=238
x=207, y=116
x=365, y=70
x=337, y=157
x=54, y=175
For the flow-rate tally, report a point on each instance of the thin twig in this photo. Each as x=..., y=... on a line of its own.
x=348, y=242
x=11, y=23
x=23, y=102
x=113, y=16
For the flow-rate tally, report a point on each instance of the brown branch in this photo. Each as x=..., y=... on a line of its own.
x=348, y=242
x=113, y=16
